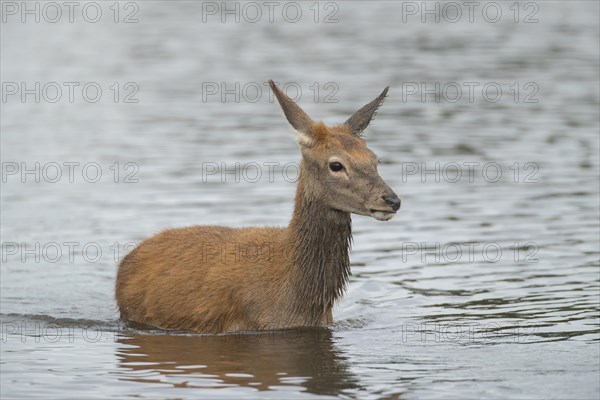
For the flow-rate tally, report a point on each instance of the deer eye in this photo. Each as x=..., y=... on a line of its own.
x=336, y=166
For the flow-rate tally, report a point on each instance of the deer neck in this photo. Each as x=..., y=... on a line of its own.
x=320, y=239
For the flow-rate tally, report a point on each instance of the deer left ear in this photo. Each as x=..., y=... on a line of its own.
x=298, y=119
x=359, y=121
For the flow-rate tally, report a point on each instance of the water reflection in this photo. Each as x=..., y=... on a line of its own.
x=306, y=359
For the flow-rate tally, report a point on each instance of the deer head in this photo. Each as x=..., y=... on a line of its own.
x=337, y=165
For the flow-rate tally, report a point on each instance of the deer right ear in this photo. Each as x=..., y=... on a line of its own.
x=298, y=119
x=363, y=117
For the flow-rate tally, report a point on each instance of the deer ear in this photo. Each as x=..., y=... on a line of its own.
x=299, y=120
x=359, y=121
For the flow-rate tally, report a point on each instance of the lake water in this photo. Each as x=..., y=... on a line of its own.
x=486, y=284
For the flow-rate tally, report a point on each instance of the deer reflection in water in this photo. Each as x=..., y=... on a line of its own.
x=304, y=357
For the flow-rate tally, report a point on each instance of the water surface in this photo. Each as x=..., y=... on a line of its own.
x=482, y=286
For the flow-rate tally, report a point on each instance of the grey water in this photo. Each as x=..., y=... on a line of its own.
x=485, y=285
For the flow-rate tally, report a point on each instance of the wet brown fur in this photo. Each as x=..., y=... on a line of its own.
x=218, y=279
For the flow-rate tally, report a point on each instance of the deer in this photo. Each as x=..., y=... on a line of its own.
x=209, y=279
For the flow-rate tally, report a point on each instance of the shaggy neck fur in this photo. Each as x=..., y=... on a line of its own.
x=320, y=239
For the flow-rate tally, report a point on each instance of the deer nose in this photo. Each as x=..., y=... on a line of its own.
x=392, y=201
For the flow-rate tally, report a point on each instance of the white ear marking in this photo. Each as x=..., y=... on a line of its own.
x=302, y=138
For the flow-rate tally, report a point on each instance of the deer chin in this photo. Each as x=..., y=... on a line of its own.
x=382, y=215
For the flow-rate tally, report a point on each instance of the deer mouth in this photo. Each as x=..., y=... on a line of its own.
x=382, y=215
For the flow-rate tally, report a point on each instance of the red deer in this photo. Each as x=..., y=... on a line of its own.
x=172, y=281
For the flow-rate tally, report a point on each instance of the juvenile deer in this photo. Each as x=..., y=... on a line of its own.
x=188, y=278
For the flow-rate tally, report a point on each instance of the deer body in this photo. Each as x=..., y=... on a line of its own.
x=217, y=279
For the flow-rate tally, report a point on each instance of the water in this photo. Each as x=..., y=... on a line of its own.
x=480, y=287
